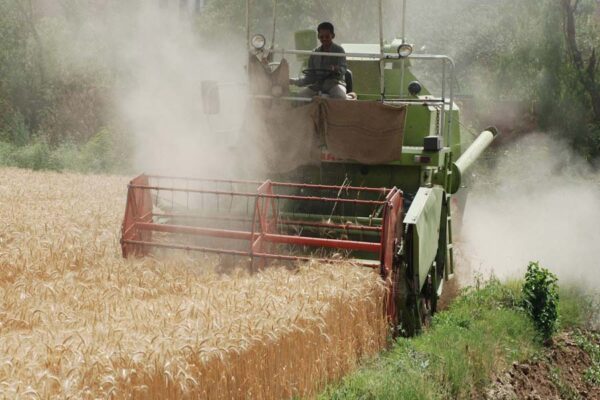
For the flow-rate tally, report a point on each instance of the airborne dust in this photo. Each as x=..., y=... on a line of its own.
x=162, y=103
x=536, y=201
x=530, y=198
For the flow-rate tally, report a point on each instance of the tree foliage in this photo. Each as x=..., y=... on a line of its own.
x=57, y=67
x=537, y=54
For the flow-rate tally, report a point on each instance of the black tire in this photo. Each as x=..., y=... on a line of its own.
x=414, y=307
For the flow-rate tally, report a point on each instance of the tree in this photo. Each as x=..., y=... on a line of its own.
x=587, y=70
x=22, y=71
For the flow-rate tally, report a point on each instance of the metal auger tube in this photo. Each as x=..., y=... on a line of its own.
x=467, y=159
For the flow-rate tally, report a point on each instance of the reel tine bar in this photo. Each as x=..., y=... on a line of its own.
x=282, y=217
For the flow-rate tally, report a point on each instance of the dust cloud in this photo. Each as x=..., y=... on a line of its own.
x=151, y=60
x=537, y=202
x=162, y=103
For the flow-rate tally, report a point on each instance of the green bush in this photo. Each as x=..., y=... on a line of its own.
x=15, y=130
x=7, y=152
x=96, y=154
x=540, y=299
x=68, y=157
x=36, y=156
x=105, y=152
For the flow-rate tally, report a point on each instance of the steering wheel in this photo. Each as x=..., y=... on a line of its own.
x=319, y=74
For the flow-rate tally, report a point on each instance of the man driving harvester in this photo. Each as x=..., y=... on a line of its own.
x=325, y=74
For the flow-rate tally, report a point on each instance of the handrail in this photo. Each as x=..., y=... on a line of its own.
x=444, y=126
x=444, y=129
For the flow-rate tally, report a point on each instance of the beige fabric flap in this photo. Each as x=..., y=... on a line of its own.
x=262, y=79
x=293, y=136
x=286, y=135
x=365, y=131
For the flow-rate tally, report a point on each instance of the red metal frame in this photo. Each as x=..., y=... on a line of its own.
x=263, y=236
x=391, y=236
x=137, y=211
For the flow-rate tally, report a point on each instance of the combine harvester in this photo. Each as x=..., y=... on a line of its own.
x=374, y=189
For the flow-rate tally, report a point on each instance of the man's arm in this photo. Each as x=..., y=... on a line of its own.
x=342, y=65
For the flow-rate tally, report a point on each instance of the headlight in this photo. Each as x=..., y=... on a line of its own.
x=414, y=88
x=258, y=42
x=405, y=50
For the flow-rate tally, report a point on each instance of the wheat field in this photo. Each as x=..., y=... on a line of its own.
x=77, y=321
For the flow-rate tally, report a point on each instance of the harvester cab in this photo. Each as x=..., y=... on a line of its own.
x=367, y=180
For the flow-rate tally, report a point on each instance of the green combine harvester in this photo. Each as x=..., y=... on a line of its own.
x=369, y=180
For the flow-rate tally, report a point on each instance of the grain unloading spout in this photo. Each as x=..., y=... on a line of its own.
x=472, y=153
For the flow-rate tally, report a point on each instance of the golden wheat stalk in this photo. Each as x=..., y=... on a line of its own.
x=76, y=320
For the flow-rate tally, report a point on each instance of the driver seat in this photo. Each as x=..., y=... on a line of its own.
x=349, y=81
x=348, y=77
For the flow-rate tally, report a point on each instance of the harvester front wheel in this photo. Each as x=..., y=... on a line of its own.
x=412, y=310
x=414, y=306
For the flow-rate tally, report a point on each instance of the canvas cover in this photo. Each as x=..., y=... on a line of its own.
x=288, y=135
x=368, y=132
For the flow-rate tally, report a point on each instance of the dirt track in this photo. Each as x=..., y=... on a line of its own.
x=559, y=373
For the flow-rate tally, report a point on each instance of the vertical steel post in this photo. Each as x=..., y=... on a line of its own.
x=274, y=24
x=248, y=23
x=402, y=67
x=404, y=21
x=442, y=111
x=381, y=52
x=402, y=62
x=451, y=108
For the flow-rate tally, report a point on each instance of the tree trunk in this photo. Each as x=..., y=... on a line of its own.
x=586, y=74
x=28, y=14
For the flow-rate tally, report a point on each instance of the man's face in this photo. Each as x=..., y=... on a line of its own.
x=326, y=38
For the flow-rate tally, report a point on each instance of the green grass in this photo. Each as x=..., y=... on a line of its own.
x=577, y=307
x=481, y=334
x=566, y=391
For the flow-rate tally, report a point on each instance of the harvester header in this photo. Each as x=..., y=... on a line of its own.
x=262, y=220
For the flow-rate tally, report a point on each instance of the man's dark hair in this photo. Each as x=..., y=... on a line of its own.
x=328, y=26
